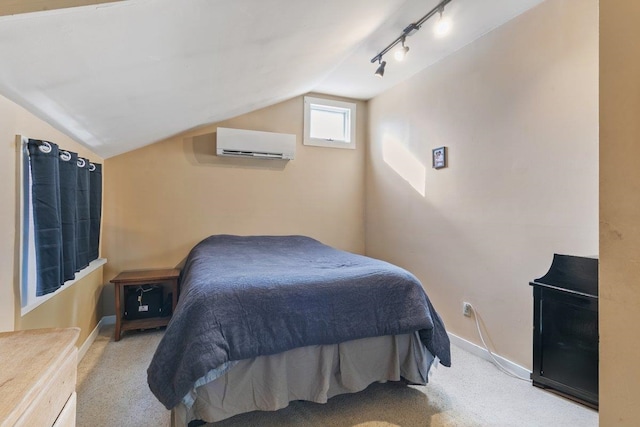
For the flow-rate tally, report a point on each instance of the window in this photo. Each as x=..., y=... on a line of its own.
x=60, y=212
x=329, y=123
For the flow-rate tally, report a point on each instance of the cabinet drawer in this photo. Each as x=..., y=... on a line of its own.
x=67, y=417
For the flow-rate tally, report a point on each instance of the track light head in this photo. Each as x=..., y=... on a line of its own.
x=443, y=26
x=400, y=53
x=380, y=70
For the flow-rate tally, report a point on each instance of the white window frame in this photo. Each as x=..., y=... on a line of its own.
x=331, y=103
x=28, y=299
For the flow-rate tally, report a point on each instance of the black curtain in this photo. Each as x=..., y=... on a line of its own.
x=68, y=197
x=83, y=215
x=47, y=216
x=95, y=209
x=66, y=203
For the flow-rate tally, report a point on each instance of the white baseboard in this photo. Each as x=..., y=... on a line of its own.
x=483, y=353
x=106, y=320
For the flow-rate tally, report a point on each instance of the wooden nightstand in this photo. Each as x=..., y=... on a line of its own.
x=137, y=278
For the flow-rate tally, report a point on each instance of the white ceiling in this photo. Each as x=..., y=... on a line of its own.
x=122, y=75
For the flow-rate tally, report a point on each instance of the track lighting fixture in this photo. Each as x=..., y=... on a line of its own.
x=380, y=70
x=442, y=27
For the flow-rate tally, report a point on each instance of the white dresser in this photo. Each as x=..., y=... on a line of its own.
x=38, y=371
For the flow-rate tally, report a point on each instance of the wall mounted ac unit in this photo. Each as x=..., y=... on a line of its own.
x=255, y=144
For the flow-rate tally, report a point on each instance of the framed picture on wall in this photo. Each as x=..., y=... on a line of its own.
x=439, y=157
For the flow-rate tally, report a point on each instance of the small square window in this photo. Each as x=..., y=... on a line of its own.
x=329, y=123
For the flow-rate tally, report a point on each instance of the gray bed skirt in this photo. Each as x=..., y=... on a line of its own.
x=313, y=373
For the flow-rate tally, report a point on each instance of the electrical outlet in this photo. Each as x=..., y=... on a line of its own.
x=466, y=309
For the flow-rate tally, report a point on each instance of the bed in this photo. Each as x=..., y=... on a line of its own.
x=265, y=320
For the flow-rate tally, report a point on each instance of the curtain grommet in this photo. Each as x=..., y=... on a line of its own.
x=81, y=163
x=45, y=147
x=92, y=167
x=65, y=156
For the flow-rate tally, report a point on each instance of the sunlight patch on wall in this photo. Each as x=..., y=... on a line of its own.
x=404, y=163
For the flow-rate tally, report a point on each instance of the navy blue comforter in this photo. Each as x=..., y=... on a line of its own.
x=243, y=297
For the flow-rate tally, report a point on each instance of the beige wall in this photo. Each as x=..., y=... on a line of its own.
x=79, y=306
x=619, y=213
x=162, y=199
x=518, y=111
x=72, y=307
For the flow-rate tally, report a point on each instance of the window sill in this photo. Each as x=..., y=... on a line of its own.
x=317, y=142
x=93, y=266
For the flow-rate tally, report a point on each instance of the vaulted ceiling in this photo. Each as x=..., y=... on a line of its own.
x=120, y=75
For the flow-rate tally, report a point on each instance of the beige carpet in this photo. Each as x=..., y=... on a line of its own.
x=112, y=391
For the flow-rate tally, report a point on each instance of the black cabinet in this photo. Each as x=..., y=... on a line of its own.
x=565, y=332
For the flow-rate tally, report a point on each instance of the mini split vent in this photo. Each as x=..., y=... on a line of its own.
x=255, y=144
